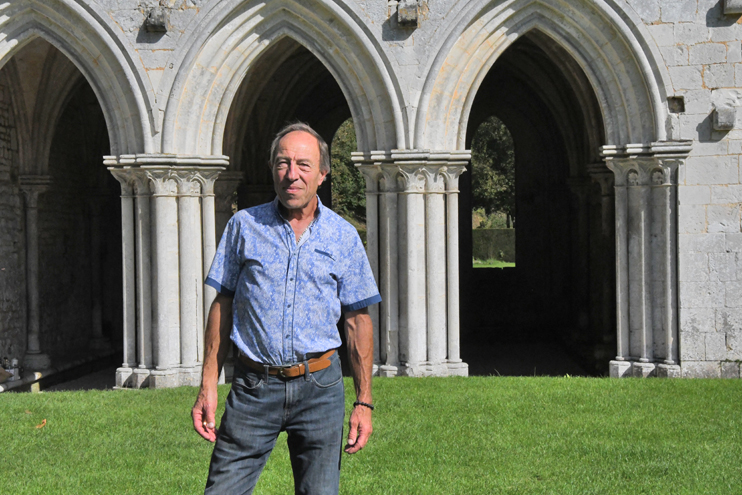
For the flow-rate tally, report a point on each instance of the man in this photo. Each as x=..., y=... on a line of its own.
x=284, y=272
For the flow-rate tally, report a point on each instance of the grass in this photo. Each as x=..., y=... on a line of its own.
x=491, y=263
x=475, y=435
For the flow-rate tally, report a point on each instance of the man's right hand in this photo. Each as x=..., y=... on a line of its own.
x=203, y=413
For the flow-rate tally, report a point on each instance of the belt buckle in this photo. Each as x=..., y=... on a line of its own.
x=281, y=370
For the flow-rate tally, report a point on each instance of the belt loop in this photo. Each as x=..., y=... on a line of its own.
x=266, y=367
x=306, y=370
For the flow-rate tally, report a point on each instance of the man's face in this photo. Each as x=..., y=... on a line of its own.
x=296, y=171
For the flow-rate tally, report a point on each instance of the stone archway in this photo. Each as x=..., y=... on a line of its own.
x=68, y=244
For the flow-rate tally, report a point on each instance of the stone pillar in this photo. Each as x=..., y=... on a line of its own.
x=171, y=226
x=32, y=186
x=224, y=188
x=371, y=176
x=412, y=218
x=646, y=257
x=455, y=365
x=413, y=304
x=208, y=216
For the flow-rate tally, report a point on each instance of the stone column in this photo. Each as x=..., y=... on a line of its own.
x=128, y=247
x=32, y=186
x=171, y=226
x=224, y=187
x=455, y=365
x=646, y=257
x=371, y=176
x=413, y=304
x=208, y=216
x=190, y=255
x=435, y=243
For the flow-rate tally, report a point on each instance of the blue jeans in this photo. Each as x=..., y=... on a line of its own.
x=310, y=408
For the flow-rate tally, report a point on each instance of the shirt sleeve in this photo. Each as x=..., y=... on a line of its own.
x=225, y=269
x=357, y=287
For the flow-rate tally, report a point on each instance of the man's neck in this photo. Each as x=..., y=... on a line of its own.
x=299, y=218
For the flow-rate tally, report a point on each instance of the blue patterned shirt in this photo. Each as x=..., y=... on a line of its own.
x=288, y=295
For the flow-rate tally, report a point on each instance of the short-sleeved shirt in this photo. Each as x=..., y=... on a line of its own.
x=288, y=295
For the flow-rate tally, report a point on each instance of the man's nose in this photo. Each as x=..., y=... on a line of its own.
x=292, y=173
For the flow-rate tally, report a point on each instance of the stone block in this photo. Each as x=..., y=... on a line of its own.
x=702, y=243
x=686, y=77
x=688, y=33
x=692, y=219
x=722, y=267
x=697, y=101
x=692, y=346
x=669, y=371
x=725, y=116
x=123, y=378
x=734, y=52
x=701, y=369
x=643, y=370
x=679, y=10
x=707, y=53
x=723, y=218
x=729, y=320
x=698, y=320
x=711, y=170
x=732, y=7
x=734, y=345
x=733, y=292
x=694, y=195
x=676, y=55
x=702, y=294
x=458, y=369
x=730, y=370
x=733, y=243
x=619, y=369
x=693, y=267
x=726, y=194
x=716, y=346
x=648, y=10
x=663, y=34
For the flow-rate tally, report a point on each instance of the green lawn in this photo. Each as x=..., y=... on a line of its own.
x=491, y=263
x=476, y=435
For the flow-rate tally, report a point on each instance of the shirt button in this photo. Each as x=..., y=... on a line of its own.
x=292, y=279
x=289, y=305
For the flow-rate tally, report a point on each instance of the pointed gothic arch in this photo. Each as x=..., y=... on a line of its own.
x=604, y=40
x=224, y=50
x=97, y=56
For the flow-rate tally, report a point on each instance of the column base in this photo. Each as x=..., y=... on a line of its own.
x=643, y=370
x=123, y=378
x=669, y=371
x=458, y=368
x=163, y=378
x=387, y=370
x=430, y=369
x=189, y=376
x=36, y=362
x=619, y=369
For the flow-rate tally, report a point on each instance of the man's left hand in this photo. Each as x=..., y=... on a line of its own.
x=360, y=429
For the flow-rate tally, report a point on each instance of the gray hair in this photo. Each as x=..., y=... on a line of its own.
x=324, y=152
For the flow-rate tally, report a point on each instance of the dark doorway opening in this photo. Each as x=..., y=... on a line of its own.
x=546, y=315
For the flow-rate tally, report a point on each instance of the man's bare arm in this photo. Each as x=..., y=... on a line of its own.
x=216, y=346
x=359, y=332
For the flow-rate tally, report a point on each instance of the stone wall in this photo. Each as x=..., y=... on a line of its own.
x=702, y=50
x=12, y=267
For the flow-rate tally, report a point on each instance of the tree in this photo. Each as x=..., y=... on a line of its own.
x=493, y=168
x=348, y=185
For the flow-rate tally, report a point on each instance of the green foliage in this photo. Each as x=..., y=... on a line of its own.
x=348, y=185
x=493, y=168
x=500, y=435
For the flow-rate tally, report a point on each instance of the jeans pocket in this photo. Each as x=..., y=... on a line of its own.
x=329, y=376
x=248, y=380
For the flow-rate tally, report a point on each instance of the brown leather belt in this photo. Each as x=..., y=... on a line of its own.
x=315, y=364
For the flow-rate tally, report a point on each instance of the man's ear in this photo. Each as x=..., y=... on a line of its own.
x=322, y=179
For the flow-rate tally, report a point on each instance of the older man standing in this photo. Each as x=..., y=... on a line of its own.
x=284, y=272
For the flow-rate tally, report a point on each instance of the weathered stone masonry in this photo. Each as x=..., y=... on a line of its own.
x=638, y=101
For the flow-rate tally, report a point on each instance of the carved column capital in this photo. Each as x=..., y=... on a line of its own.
x=32, y=186
x=452, y=174
x=412, y=177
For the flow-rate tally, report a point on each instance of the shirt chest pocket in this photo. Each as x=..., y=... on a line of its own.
x=321, y=267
